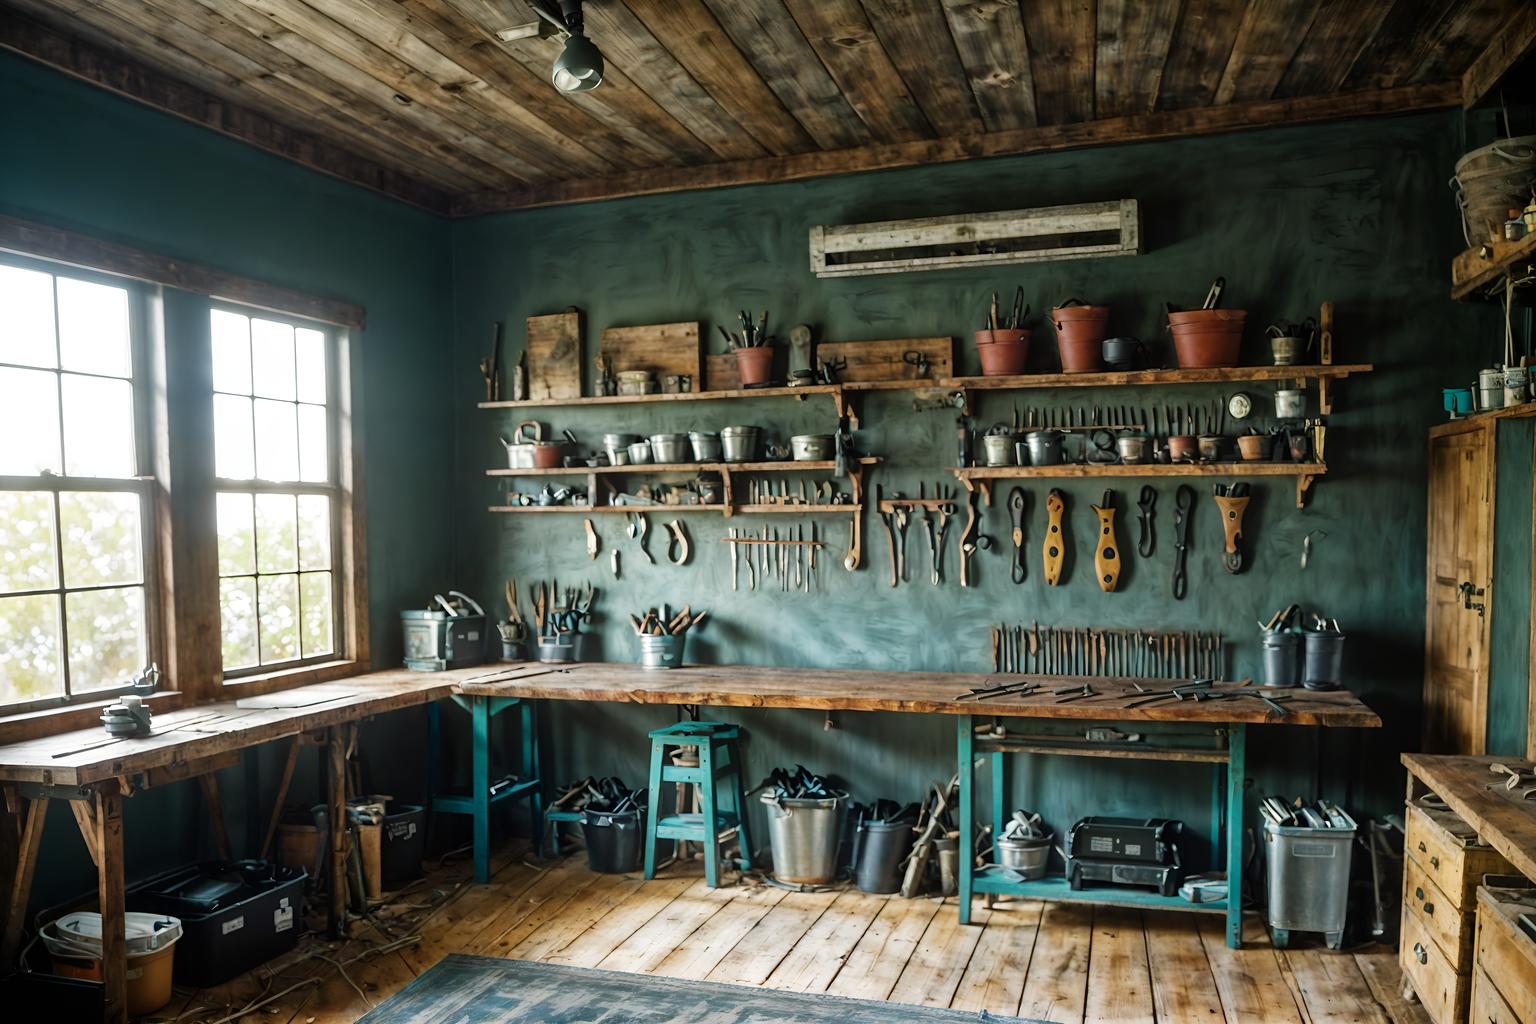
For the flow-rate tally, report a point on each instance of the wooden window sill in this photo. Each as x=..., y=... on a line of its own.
x=288, y=678
x=28, y=725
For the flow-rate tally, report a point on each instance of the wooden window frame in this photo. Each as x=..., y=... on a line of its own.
x=176, y=343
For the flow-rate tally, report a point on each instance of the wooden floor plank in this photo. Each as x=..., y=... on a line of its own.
x=702, y=951
x=1057, y=984
x=1182, y=986
x=816, y=959
x=932, y=975
x=1248, y=979
x=760, y=951
x=1119, y=982
x=467, y=913
x=589, y=949
x=1378, y=965
x=876, y=963
x=994, y=979
x=541, y=938
x=1333, y=990
x=649, y=945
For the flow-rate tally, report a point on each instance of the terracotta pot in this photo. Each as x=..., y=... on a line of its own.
x=1254, y=447
x=1183, y=448
x=1206, y=316
x=1003, y=352
x=1080, y=334
x=1207, y=337
x=754, y=366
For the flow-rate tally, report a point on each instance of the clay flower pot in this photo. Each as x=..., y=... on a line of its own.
x=754, y=366
x=1207, y=337
x=1003, y=352
x=1080, y=334
x=1255, y=447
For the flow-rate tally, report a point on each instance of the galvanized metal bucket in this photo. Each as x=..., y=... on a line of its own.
x=881, y=847
x=804, y=834
x=658, y=652
x=1282, y=659
x=1026, y=856
x=1308, y=878
x=1324, y=663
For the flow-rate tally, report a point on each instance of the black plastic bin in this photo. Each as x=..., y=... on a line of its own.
x=614, y=841
x=880, y=848
x=403, y=844
x=235, y=915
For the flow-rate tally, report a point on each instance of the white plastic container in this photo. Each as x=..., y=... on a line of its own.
x=74, y=942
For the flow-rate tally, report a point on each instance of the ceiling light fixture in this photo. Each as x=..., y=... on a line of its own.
x=580, y=64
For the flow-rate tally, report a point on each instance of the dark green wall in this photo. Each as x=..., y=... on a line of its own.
x=1356, y=213
x=1509, y=631
x=81, y=158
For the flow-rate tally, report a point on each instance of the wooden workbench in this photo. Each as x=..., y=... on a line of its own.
x=94, y=772
x=1500, y=818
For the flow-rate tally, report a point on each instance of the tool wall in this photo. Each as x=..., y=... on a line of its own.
x=1293, y=230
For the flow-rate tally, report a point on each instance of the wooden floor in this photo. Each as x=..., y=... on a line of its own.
x=1054, y=962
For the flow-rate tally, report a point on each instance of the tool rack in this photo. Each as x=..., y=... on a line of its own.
x=981, y=477
x=727, y=508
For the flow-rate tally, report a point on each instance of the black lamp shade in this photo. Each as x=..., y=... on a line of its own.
x=579, y=66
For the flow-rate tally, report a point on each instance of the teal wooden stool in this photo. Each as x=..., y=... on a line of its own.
x=719, y=765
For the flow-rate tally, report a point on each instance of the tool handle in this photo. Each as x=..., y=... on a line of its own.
x=1232, y=520
x=1055, y=537
x=1106, y=557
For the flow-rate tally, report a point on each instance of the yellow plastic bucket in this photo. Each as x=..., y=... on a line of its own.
x=74, y=943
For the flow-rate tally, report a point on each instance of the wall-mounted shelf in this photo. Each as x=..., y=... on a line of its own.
x=1482, y=265
x=654, y=468
x=1304, y=472
x=686, y=396
x=588, y=510
x=1129, y=378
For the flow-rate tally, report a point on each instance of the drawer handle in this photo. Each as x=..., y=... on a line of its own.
x=1429, y=908
x=1418, y=893
x=1419, y=953
x=1434, y=862
x=1422, y=847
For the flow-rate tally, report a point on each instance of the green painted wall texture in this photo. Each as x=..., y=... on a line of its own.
x=1355, y=213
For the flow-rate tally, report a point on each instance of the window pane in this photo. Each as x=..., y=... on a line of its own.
x=93, y=328
x=27, y=556
x=101, y=539
x=234, y=454
x=237, y=534
x=278, y=606
x=106, y=637
x=314, y=467
x=237, y=614
x=30, y=667
x=29, y=422
x=310, y=351
x=231, y=352
x=314, y=531
x=98, y=427
x=315, y=589
x=26, y=318
x=277, y=441
x=272, y=359
x=276, y=534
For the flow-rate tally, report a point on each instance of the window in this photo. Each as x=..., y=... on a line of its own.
x=75, y=513
x=275, y=443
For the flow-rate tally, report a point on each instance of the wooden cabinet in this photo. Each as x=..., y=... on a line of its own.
x=1460, y=555
x=1504, y=987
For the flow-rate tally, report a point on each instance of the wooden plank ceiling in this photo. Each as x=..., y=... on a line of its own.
x=423, y=100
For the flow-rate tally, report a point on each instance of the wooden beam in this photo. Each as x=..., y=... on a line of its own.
x=137, y=82
x=47, y=242
x=210, y=786
x=107, y=817
x=33, y=815
x=1509, y=46
x=1139, y=128
x=289, y=763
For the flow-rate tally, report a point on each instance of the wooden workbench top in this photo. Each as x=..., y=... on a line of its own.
x=918, y=692
x=90, y=755
x=1503, y=820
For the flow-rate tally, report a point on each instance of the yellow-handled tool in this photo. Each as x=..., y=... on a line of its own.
x=1055, y=536
x=1106, y=557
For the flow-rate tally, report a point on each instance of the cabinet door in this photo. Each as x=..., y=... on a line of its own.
x=1460, y=553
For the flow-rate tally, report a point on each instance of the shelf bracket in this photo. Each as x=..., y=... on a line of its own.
x=1325, y=357
x=1303, y=487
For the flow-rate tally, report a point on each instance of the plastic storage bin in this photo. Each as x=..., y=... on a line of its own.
x=74, y=943
x=1308, y=880
x=236, y=915
x=614, y=841
x=404, y=842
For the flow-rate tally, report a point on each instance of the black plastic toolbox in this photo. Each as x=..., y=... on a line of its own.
x=402, y=845
x=1128, y=840
x=235, y=915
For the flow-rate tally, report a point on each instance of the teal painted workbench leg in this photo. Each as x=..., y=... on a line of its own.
x=480, y=785
x=964, y=745
x=530, y=729
x=1218, y=814
x=1000, y=810
x=1237, y=744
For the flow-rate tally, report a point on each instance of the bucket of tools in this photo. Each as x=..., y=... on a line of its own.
x=882, y=838
x=1282, y=658
x=1080, y=333
x=1003, y=352
x=805, y=825
x=615, y=840
x=1323, y=663
x=660, y=652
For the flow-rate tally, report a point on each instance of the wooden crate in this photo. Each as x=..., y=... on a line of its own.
x=879, y=361
x=554, y=355
x=1506, y=954
x=663, y=349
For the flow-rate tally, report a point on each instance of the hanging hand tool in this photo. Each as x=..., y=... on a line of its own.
x=678, y=548
x=946, y=512
x=613, y=562
x=1147, y=543
x=642, y=532
x=811, y=558
x=1016, y=513
x=1106, y=557
x=735, y=559
x=927, y=513
x=967, y=547
x=1232, y=501
x=1183, y=509
x=1055, y=536
x=903, y=518
x=890, y=536
x=592, y=541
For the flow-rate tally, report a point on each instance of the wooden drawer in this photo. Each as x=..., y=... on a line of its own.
x=1488, y=1007
x=1505, y=953
x=1435, y=980
x=1450, y=853
x=1451, y=929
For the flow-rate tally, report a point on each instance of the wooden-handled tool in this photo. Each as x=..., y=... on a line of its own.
x=1106, y=557
x=1055, y=537
x=592, y=542
x=1232, y=501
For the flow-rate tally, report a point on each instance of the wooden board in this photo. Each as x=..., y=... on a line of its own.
x=879, y=361
x=490, y=989
x=721, y=372
x=664, y=349
x=554, y=355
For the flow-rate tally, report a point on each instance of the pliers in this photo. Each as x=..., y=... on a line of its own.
x=903, y=517
x=933, y=552
x=1148, y=506
x=946, y=510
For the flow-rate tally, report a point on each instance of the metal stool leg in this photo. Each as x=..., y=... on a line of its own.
x=653, y=807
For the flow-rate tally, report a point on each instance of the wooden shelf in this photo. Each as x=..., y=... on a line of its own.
x=804, y=466
x=686, y=396
x=1481, y=265
x=1125, y=378
x=1305, y=473
x=586, y=510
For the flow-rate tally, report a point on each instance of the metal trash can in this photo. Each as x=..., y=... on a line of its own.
x=804, y=834
x=879, y=849
x=1308, y=880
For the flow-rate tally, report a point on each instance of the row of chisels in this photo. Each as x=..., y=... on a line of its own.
x=787, y=556
x=1139, y=653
